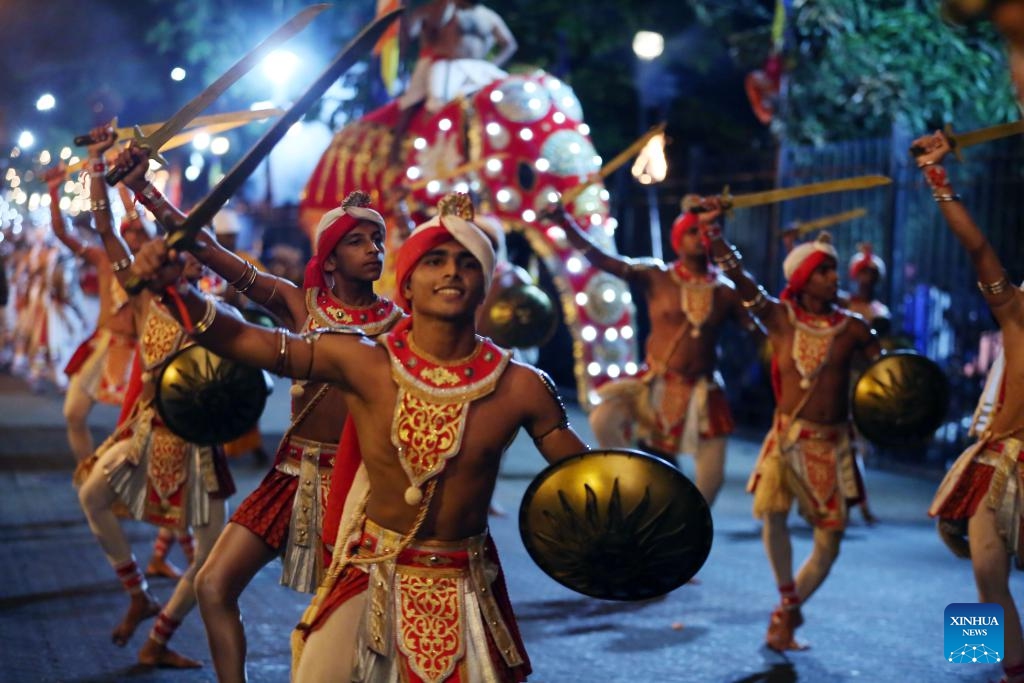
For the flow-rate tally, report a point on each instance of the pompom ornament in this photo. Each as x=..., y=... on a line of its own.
x=413, y=495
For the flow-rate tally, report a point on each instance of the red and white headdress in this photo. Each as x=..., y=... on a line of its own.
x=334, y=225
x=802, y=261
x=866, y=258
x=452, y=222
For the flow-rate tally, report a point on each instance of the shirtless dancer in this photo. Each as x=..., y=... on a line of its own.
x=678, y=405
x=978, y=487
x=421, y=530
x=806, y=456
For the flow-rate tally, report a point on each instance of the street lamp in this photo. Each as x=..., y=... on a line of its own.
x=178, y=74
x=648, y=46
x=26, y=139
x=279, y=65
x=46, y=102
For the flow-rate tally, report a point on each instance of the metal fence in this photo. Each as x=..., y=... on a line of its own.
x=930, y=285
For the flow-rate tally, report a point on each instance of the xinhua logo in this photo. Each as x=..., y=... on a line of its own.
x=973, y=633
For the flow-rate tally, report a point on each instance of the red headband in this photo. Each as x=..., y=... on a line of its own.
x=864, y=260
x=409, y=254
x=683, y=222
x=798, y=280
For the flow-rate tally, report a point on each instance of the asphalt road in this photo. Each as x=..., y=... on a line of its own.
x=878, y=618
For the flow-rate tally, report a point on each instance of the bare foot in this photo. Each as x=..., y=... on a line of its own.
x=159, y=566
x=782, y=630
x=158, y=654
x=143, y=606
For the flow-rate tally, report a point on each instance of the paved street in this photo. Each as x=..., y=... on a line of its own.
x=878, y=618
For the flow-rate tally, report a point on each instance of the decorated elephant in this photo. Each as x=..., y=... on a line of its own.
x=517, y=145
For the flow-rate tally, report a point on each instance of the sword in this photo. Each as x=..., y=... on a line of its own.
x=802, y=228
x=621, y=158
x=242, y=116
x=187, y=136
x=744, y=201
x=958, y=141
x=201, y=101
x=184, y=237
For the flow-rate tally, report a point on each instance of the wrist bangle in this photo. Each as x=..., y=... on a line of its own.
x=758, y=302
x=246, y=286
x=925, y=164
x=951, y=197
x=150, y=191
x=123, y=264
x=245, y=273
x=729, y=260
x=997, y=287
x=99, y=205
x=208, y=315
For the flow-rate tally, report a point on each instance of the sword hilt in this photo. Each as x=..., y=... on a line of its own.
x=918, y=150
x=118, y=173
x=135, y=284
x=87, y=139
x=179, y=240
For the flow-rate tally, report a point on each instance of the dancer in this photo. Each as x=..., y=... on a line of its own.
x=980, y=487
x=161, y=478
x=806, y=456
x=284, y=515
x=434, y=406
x=100, y=368
x=678, y=404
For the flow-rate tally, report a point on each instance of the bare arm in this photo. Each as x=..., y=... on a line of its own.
x=219, y=328
x=54, y=178
x=504, y=41
x=619, y=266
x=115, y=247
x=167, y=215
x=992, y=279
x=546, y=420
x=727, y=257
x=278, y=295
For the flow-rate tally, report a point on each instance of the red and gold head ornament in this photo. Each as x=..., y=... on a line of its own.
x=454, y=221
x=334, y=225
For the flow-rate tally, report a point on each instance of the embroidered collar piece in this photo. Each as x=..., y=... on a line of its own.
x=326, y=311
x=812, y=340
x=697, y=294
x=433, y=402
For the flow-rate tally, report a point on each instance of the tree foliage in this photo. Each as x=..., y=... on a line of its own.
x=857, y=67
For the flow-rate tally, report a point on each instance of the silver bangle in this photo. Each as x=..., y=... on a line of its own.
x=246, y=286
x=122, y=264
x=997, y=287
x=758, y=302
x=208, y=315
x=952, y=197
x=99, y=205
x=730, y=260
